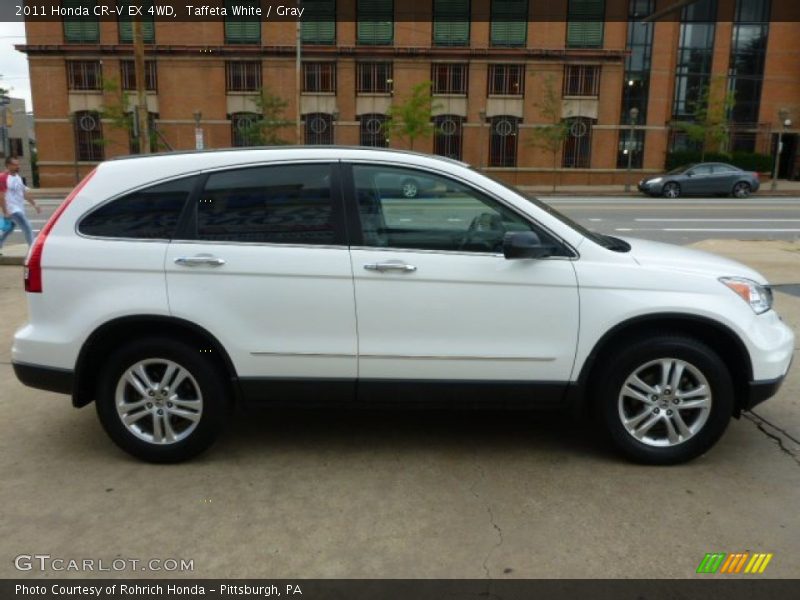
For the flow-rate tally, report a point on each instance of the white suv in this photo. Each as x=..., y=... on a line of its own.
x=167, y=288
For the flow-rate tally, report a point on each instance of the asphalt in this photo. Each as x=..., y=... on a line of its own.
x=390, y=494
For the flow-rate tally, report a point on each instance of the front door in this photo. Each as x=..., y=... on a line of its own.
x=438, y=302
x=264, y=266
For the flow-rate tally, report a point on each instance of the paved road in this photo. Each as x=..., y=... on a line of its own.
x=686, y=221
x=682, y=221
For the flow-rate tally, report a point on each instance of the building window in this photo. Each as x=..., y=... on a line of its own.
x=134, y=134
x=748, y=51
x=449, y=136
x=15, y=147
x=578, y=145
x=695, y=53
x=125, y=22
x=451, y=22
x=509, y=22
x=128, y=75
x=581, y=80
x=241, y=29
x=449, y=78
x=503, y=141
x=243, y=129
x=88, y=136
x=374, y=78
x=636, y=85
x=319, y=22
x=243, y=76
x=319, y=77
x=373, y=130
x=81, y=30
x=506, y=80
x=375, y=22
x=84, y=75
x=585, y=19
x=319, y=129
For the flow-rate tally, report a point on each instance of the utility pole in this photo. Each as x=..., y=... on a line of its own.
x=298, y=123
x=141, y=87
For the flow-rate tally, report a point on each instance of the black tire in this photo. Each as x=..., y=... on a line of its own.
x=742, y=189
x=671, y=190
x=409, y=188
x=204, y=376
x=610, y=405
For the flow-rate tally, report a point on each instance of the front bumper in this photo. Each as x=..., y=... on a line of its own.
x=649, y=188
x=759, y=391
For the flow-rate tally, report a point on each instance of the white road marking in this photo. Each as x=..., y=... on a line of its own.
x=719, y=220
x=596, y=220
x=720, y=230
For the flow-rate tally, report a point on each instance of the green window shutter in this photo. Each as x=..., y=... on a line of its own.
x=319, y=22
x=375, y=22
x=242, y=30
x=451, y=22
x=585, y=26
x=82, y=30
x=509, y=26
x=126, y=25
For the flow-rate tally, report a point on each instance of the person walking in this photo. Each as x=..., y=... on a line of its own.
x=13, y=194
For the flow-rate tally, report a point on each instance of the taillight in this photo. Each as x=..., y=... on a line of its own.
x=33, y=263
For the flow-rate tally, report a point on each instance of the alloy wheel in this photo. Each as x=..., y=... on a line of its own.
x=672, y=190
x=741, y=190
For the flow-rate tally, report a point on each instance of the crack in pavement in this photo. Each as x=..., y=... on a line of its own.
x=759, y=422
x=783, y=431
x=493, y=524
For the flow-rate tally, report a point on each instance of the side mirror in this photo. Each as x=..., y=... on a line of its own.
x=690, y=173
x=524, y=244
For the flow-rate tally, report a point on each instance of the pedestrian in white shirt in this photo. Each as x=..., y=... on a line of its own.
x=13, y=194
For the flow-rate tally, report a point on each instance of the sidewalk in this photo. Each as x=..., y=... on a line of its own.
x=13, y=254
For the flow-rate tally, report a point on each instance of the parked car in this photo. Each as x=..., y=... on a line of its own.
x=404, y=185
x=167, y=288
x=702, y=179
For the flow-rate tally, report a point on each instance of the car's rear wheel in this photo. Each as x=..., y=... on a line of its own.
x=409, y=188
x=741, y=190
x=161, y=400
x=665, y=400
x=671, y=190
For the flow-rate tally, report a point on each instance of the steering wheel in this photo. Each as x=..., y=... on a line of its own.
x=484, y=222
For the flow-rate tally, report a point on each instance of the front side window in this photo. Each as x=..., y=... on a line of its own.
x=283, y=204
x=444, y=214
x=150, y=213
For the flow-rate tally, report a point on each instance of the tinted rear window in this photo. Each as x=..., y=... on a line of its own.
x=149, y=213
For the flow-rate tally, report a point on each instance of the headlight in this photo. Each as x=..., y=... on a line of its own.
x=758, y=296
x=656, y=180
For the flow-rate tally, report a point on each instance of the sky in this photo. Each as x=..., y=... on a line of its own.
x=13, y=64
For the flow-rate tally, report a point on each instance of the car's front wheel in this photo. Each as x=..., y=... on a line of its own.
x=741, y=190
x=671, y=190
x=409, y=188
x=665, y=400
x=161, y=400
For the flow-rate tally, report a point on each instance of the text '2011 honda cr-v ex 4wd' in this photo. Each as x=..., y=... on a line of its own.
x=167, y=288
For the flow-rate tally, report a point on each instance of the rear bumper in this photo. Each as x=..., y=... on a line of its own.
x=50, y=379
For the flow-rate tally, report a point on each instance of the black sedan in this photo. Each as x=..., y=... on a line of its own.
x=702, y=179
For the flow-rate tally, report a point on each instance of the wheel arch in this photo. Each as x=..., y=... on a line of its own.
x=718, y=336
x=105, y=339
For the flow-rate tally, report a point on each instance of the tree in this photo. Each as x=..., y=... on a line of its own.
x=118, y=112
x=550, y=135
x=710, y=125
x=411, y=119
x=266, y=129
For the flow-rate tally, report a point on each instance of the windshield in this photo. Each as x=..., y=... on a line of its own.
x=606, y=241
x=681, y=169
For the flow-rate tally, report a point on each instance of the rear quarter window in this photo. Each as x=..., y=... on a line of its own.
x=149, y=213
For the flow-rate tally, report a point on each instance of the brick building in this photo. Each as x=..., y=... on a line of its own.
x=491, y=63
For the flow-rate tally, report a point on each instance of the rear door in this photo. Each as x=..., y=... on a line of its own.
x=264, y=266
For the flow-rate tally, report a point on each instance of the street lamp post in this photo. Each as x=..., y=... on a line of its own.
x=483, y=142
x=785, y=123
x=634, y=115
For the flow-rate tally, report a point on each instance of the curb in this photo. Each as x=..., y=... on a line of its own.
x=15, y=261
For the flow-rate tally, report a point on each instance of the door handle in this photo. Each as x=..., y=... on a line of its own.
x=200, y=260
x=390, y=266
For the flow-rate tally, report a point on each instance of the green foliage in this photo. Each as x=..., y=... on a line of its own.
x=411, y=119
x=550, y=135
x=749, y=161
x=266, y=130
x=119, y=114
x=710, y=125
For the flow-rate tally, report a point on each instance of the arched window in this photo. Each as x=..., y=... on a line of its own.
x=503, y=141
x=319, y=128
x=244, y=129
x=578, y=145
x=373, y=130
x=448, y=136
x=88, y=136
